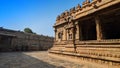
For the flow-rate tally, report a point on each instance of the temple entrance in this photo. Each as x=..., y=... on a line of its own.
x=111, y=25
x=88, y=30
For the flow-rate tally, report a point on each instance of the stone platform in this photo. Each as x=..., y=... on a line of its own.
x=104, y=52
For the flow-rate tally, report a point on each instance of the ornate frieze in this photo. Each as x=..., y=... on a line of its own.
x=86, y=6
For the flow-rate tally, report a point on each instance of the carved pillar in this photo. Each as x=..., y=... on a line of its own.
x=65, y=34
x=78, y=35
x=55, y=34
x=73, y=33
x=98, y=28
x=77, y=31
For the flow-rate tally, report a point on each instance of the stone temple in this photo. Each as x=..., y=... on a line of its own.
x=90, y=32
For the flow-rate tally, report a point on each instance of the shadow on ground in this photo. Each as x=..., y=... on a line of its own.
x=21, y=60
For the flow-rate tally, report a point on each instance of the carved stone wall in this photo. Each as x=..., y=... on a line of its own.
x=92, y=32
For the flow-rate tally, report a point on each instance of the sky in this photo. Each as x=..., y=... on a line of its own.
x=38, y=15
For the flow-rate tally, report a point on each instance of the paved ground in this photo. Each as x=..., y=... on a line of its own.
x=35, y=60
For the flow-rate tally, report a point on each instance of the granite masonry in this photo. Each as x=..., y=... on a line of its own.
x=11, y=40
x=90, y=32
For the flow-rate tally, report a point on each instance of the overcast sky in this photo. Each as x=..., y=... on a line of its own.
x=39, y=15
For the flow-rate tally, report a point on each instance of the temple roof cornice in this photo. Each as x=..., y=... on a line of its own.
x=86, y=8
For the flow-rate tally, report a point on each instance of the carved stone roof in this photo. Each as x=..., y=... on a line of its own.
x=86, y=8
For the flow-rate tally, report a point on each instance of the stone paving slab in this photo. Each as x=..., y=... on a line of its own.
x=39, y=59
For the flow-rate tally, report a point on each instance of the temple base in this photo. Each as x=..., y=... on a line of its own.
x=105, y=52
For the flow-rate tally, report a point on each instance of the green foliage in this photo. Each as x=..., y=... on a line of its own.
x=28, y=30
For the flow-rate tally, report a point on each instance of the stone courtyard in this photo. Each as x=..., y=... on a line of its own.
x=39, y=59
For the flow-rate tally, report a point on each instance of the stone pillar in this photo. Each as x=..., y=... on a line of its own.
x=98, y=28
x=65, y=34
x=73, y=33
x=77, y=31
x=55, y=35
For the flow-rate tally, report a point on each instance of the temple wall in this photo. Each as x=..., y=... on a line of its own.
x=24, y=41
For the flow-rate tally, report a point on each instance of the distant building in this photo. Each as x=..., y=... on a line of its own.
x=11, y=40
x=90, y=32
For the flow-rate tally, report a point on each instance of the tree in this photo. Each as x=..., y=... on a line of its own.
x=28, y=30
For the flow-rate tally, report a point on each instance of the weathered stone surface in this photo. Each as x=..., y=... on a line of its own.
x=11, y=40
x=37, y=60
x=90, y=33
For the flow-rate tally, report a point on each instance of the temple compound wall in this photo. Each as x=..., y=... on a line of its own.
x=90, y=32
x=11, y=40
